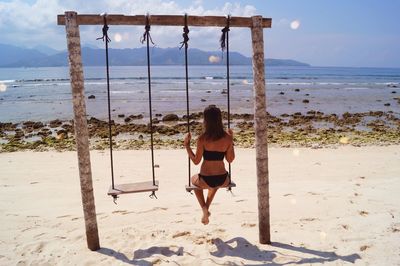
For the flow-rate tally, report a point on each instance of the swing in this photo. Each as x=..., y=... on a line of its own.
x=224, y=45
x=149, y=186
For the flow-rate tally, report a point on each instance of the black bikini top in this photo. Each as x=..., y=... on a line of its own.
x=213, y=155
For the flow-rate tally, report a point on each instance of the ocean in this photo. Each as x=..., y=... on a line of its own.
x=44, y=94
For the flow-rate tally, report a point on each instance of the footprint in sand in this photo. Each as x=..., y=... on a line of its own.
x=363, y=248
x=123, y=212
x=120, y=211
x=63, y=216
x=38, y=249
x=39, y=235
x=201, y=240
x=181, y=234
x=395, y=228
x=363, y=213
x=242, y=200
x=345, y=226
x=248, y=225
x=308, y=219
x=154, y=209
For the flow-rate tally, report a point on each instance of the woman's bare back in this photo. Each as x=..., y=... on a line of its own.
x=224, y=145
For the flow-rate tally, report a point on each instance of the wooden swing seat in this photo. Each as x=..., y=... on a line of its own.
x=133, y=188
x=194, y=187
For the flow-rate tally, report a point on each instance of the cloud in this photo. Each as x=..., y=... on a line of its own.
x=38, y=25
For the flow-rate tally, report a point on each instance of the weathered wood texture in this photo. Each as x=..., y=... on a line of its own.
x=260, y=125
x=133, y=188
x=167, y=20
x=81, y=130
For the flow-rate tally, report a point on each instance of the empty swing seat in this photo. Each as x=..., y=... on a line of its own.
x=194, y=187
x=133, y=188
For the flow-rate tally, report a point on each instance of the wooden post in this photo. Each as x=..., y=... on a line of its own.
x=260, y=124
x=81, y=130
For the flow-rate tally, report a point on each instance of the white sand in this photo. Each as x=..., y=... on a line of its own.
x=331, y=206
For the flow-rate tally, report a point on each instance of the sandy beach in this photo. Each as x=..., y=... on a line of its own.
x=331, y=206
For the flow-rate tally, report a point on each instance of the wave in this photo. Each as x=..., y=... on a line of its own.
x=7, y=81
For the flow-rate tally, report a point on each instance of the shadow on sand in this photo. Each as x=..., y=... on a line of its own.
x=140, y=254
x=241, y=248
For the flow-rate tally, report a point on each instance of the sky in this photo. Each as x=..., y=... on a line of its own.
x=351, y=33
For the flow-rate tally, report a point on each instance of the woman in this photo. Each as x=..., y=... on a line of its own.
x=213, y=145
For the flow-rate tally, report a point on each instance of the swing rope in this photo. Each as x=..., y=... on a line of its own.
x=106, y=40
x=185, y=41
x=147, y=38
x=224, y=40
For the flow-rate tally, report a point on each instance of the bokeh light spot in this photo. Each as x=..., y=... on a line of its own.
x=214, y=59
x=3, y=87
x=117, y=37
x=295, y=24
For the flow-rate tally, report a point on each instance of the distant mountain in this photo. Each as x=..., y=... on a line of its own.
x=46, y=50
x=11, y=56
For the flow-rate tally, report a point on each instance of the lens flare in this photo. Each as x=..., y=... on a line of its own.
x=214, y=59
x=117, y=37
x=295, y=24
x=3, y=87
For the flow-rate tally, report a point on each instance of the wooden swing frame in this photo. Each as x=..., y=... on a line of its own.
x=72, y=20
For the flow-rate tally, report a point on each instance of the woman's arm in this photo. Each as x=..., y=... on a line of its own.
x=230, y=152
x=196, y=158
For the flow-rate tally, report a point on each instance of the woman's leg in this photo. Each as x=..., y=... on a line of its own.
x=210, y=196
x=200, y=198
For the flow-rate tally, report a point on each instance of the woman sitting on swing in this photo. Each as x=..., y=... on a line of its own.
x=214, y=144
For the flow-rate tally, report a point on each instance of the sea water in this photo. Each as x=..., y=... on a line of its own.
x=43, y=94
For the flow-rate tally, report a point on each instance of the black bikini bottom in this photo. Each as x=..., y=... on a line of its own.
x=214, y=180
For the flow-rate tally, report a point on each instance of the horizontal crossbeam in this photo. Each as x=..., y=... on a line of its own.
x=166, y=20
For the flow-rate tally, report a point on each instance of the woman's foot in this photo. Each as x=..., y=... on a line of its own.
x=206, y=214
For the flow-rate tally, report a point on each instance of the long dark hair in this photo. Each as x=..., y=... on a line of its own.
x=213, y=129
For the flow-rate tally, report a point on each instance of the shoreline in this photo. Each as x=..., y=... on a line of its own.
x=312, y=129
